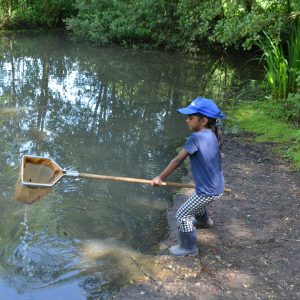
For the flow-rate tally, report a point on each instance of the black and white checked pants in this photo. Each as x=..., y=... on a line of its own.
x=193, y=207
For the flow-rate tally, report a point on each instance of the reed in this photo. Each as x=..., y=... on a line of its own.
x=294, y=57
x=276, y=67
x=282, y=71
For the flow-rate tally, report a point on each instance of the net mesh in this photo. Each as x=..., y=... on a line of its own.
x=40, y=170
x=36, y=170
x=29, y=195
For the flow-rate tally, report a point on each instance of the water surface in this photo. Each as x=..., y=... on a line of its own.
x=107, y=111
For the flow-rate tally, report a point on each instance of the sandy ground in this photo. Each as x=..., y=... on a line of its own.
x=252, y=252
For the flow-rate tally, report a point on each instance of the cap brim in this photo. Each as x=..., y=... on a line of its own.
x=187, y=111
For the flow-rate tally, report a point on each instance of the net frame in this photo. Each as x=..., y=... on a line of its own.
x=58, y=172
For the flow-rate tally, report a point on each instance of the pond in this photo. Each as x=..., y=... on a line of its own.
x=107, y=111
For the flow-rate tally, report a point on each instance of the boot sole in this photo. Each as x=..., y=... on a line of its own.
x=203, y=227
x=188, y=254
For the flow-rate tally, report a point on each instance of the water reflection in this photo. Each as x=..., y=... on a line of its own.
x=39, y=260
x=103, y=111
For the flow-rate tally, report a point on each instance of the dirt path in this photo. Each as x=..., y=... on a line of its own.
x=252, y=252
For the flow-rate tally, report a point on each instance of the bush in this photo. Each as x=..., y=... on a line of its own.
x=142, y=22
x=34, y=13
x=292, y=108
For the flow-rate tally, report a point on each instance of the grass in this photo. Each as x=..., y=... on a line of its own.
x=268, y=119
x=255, y=118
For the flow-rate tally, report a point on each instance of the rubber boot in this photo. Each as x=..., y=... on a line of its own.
x=187, y=245
x=203, y=221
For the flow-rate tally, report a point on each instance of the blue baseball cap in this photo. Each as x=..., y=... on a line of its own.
x=205, y=107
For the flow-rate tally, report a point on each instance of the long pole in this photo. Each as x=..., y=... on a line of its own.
x=137, y=180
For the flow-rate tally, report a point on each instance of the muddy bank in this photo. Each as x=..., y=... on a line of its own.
x=252, y=252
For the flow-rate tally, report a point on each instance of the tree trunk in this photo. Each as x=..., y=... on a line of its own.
x=9, y=8
x=44, y=97
x=288, y=6
x=248, y=5
x=13, y=72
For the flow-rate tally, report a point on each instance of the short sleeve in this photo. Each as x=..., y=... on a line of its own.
x=190, y=145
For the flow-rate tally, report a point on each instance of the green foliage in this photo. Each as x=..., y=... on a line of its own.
x=181, y=23
x=177, y=24
x=276, y=67
x=294, y=57
x=283, y=75
x=244, y=21
x=35, y=13
x=291, y=107
x=93, y=20
x=125, y=22
x=197, y=21
x=287, y=109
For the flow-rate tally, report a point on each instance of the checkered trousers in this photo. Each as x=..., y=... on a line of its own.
x=193, y=207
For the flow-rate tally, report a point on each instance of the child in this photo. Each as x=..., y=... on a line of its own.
x=202, y=147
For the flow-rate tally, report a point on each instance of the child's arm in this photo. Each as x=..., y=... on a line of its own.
x=172, y=166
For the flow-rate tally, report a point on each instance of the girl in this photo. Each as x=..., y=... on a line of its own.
x=202, y=147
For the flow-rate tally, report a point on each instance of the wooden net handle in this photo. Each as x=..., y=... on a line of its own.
x=138, y=180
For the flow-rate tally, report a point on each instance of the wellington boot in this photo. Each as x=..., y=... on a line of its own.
x=203, y=220
x=199, y=224
x=187, y=246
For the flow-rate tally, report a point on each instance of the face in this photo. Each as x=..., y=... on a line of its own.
x=196, y=123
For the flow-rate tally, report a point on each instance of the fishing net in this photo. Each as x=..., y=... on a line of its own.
x=36, y=170
x=40, y=170
x=29, y=195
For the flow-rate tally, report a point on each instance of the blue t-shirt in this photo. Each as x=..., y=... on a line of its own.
x=205, y=158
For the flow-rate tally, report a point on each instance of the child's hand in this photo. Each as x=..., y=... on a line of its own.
x=156, y=181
